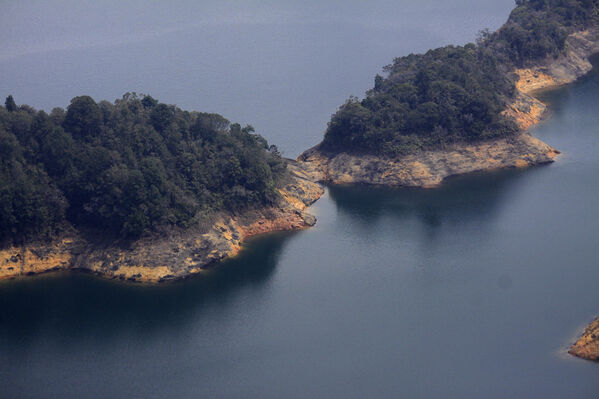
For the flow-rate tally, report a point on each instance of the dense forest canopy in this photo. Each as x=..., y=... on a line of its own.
x=455, y=93
x=126, y=168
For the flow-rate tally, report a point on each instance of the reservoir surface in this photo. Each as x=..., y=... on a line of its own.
x=472, y=290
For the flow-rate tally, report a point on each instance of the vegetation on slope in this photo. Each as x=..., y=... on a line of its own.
x=455, y=93
x=126, y=168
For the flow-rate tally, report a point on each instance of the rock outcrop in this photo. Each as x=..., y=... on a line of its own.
x=551, y=73
x=430, y=168
x=587, y=347
x=569, y=67
x=176, y=255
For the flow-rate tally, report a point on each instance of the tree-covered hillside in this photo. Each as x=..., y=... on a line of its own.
x=126, y=168
x=455, y=93
x=538, y=28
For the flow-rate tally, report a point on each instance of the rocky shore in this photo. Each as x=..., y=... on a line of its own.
x=176, y=255
x=587, y=347
x=430, y=168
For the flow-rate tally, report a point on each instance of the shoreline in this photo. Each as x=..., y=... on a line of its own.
x=536, y=81
x=176, y=255
x=430, y=168
x=587, y=346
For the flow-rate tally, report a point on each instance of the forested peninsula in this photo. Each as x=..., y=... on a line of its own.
x=137, y=189
x=461, y=109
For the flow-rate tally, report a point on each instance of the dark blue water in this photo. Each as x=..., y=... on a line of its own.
x=472, y=290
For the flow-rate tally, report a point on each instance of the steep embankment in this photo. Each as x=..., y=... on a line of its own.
x=552, y=73
x=177, y=255
x=430, y=168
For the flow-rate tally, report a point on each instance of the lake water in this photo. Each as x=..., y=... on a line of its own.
x=472, y=290
x=283, y=66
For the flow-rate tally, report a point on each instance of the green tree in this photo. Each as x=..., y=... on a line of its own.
x=149, y=102
x=10, y=104
x=162, y=116
x=83, y=117
x=348, y=127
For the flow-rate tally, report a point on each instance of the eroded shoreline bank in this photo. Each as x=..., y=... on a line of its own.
x=177, y=255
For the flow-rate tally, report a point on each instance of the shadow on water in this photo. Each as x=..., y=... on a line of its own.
x=74, y=305
x=461, y=199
